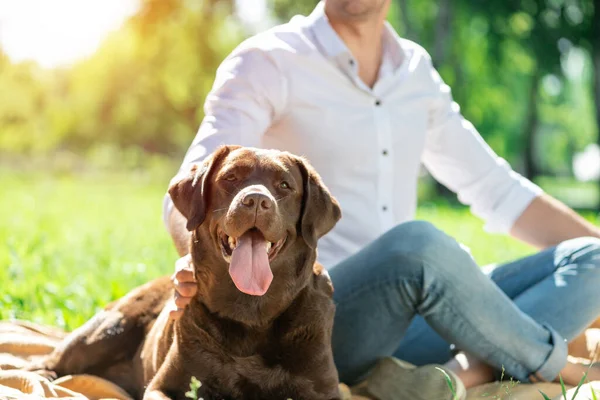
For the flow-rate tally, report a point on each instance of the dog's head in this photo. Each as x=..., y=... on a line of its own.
x=258, y=213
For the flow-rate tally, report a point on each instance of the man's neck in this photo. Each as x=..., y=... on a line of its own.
x=364, y=40
x=361, y=36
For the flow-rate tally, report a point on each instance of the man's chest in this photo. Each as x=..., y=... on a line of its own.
x=331, y=120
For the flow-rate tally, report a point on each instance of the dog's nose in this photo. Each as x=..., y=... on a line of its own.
x=254, y=200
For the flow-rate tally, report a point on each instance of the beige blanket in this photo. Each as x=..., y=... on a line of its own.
x=21, y=341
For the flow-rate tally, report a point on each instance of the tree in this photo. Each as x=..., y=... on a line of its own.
x=594, y=39
x=284, y=10
x=146, y=85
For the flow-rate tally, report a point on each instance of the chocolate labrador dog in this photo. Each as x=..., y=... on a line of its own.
x=260, y=325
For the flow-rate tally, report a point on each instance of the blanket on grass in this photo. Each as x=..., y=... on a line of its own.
x=21, y=341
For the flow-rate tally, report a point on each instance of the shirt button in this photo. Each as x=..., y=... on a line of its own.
x=384, y=208
x=351, y=62
x=377, y=102
x=384, y=152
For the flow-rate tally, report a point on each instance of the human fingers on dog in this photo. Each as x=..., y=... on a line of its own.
x=184, y=283
x=175, y=313
x=177, y=305
x=184, y=276
x=186, y=290
x=180, y=301
x=184, y=270
x=183, y=279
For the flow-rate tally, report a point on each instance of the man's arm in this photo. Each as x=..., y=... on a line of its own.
x=176, y=227
x=183, y=278
x=546, y=222
x=459, y=158
x=248, y=94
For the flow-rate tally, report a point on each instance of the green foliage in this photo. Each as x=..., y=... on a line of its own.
x=493, y=53
x=520, y=70
x=562, y=386
x=582, y=195
x=144, y=87
x=71, y=244
x=195, y=384
x=448, y=382
x=544, y=395
x=284, y=10
x=578, y=387
x=68, y=246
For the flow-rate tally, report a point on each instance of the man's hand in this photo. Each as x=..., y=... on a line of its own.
x=185, y=285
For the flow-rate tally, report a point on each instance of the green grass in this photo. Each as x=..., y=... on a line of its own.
x=468, y=229
x=70, y=244
x=576, y=194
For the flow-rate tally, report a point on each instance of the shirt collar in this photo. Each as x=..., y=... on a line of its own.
x=333, y=47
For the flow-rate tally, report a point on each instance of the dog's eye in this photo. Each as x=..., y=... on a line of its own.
x=284, y=185
x=230, y=178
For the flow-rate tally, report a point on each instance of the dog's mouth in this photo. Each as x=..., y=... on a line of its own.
x=229, y=243
x=249, y=257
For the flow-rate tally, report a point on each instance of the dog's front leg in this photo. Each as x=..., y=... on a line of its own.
x=111, y=335
x=108, y=336
x=156, y=395
x=168, y=382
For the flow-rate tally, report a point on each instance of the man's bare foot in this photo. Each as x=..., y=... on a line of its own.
x=473, y=372
x=576, y=369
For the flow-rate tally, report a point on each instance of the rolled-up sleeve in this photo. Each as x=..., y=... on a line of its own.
x=248, y=94
x=457, y=157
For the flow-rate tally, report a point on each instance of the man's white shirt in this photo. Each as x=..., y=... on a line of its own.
x=296, y=87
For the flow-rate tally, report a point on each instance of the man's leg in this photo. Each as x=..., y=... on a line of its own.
x=568, y=298
x=415, y=268
x=557, y=287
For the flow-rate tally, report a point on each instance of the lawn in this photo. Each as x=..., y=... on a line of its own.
x=69, y=244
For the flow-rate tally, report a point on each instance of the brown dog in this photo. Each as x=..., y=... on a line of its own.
x=260, y=325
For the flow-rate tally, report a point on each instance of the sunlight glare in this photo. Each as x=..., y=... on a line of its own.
x=254, y=13
x=58, y=32
x=586, y=165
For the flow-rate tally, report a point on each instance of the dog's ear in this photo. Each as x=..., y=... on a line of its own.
x=189, y=191
x=320, y=210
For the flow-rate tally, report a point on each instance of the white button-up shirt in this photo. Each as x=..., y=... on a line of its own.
x=296, y=87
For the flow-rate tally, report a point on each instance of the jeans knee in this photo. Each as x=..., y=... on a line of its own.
x=412, y=245
x=584, y=251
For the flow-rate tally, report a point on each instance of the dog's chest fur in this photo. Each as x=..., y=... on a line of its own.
x=235, y=361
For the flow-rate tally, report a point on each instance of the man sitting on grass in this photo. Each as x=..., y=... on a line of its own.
x=366, y=107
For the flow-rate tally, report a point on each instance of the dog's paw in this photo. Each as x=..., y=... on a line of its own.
x=39, y=367
x=47, y=374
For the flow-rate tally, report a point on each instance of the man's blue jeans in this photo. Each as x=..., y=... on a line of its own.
x=415, y=290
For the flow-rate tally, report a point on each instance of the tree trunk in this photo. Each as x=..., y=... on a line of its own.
x=408, y=30
x=439, y=57
x=443, y=31
x=595, y=40
x=530, y=129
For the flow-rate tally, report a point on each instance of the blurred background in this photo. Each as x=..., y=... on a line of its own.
x=99, y=100
x=119, y=84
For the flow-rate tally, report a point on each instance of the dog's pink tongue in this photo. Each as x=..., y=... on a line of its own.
x=249, y=267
